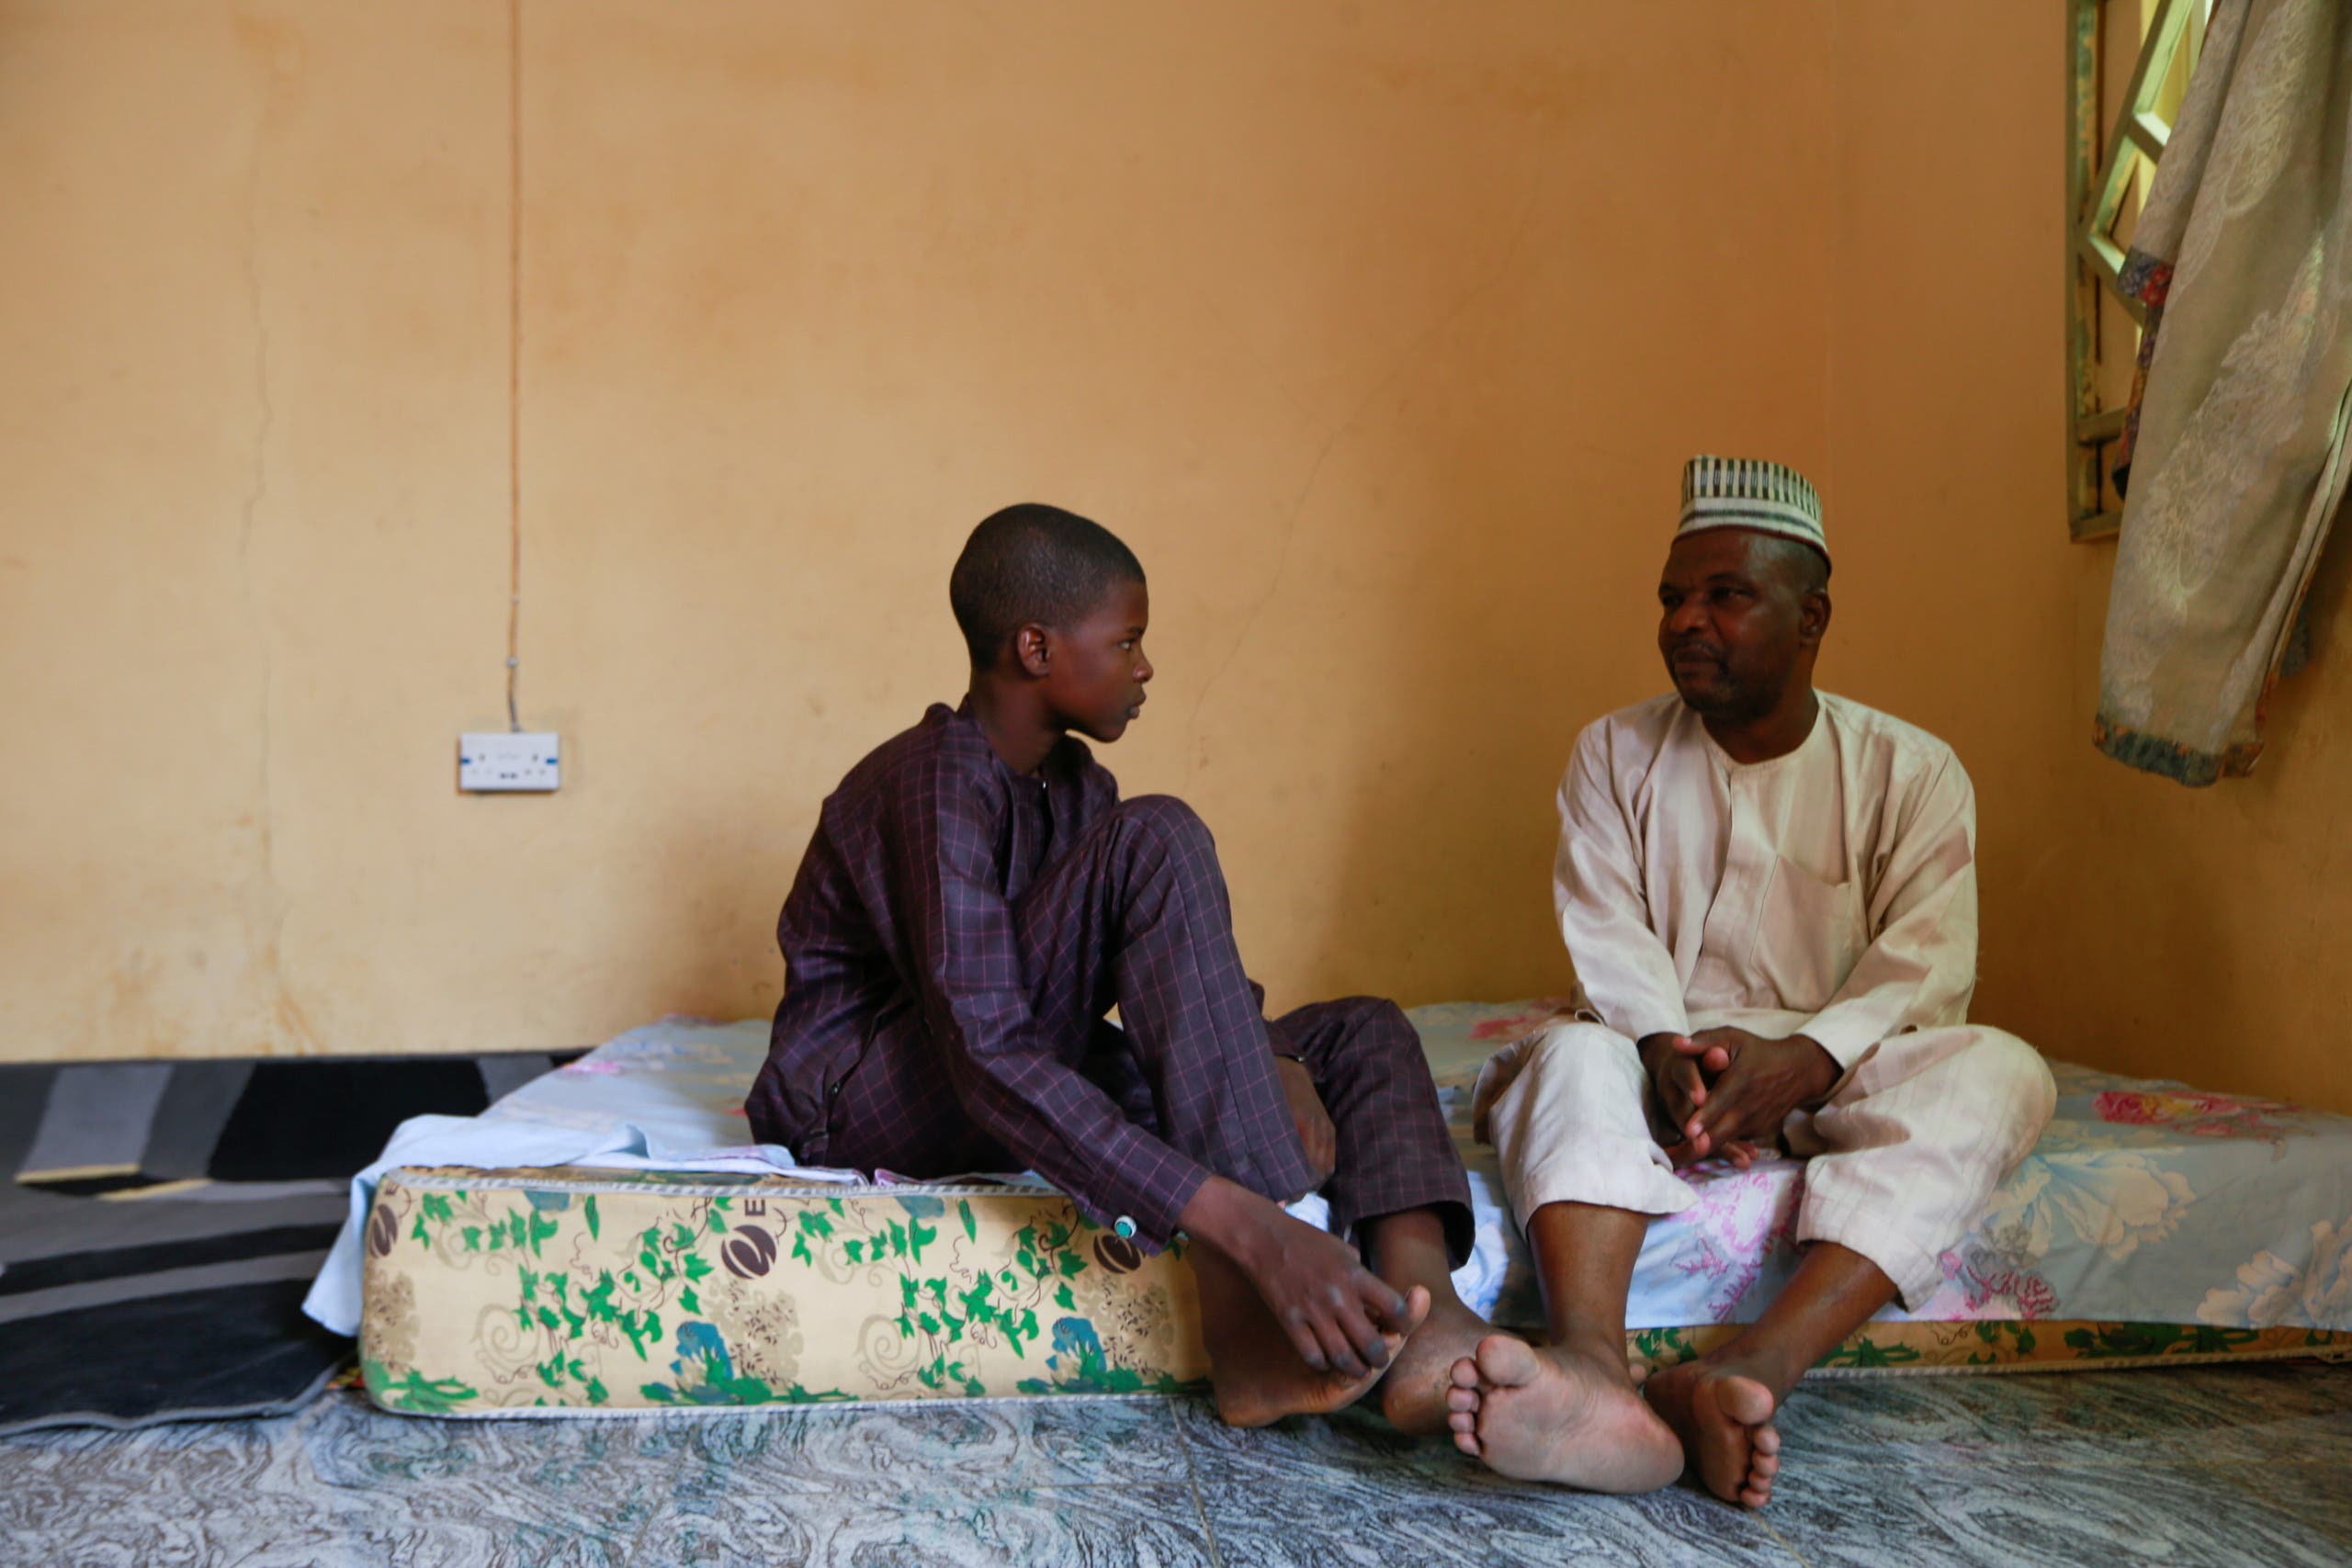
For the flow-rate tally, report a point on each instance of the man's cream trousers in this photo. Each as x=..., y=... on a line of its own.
x=1901, y=1158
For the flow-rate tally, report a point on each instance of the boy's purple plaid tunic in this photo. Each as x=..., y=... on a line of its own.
x=953, y=941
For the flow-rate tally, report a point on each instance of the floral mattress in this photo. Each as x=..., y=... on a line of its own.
x=2153, y=1221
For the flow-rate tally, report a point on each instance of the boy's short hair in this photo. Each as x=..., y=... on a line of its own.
x=1032, y=562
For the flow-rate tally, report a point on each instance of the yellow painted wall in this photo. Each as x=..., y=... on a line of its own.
x=1379, y=330
x=2128, y=922
x=252, y=476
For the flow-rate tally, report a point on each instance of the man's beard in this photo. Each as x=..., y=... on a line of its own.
x=1729, y=702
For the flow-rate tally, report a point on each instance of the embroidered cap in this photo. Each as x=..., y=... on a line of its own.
x=1748, y=492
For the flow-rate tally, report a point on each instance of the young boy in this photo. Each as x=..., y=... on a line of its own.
x=977, y=898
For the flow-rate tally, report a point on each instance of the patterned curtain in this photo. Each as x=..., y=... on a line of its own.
x=2238, y=458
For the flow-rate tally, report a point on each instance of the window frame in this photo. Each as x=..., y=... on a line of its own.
x=2103, y=175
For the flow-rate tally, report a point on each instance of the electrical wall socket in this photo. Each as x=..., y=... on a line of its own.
x=497, y=759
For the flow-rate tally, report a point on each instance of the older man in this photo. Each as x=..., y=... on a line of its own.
x=1770, y=897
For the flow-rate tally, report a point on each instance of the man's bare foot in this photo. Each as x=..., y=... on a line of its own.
x=1562, y=1414
x=1724, y=1418
x=1259, y=1378
x=1413, y=1395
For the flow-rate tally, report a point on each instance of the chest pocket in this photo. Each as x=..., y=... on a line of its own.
x=1810, y=936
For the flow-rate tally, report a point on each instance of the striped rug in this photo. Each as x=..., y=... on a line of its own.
x=160, y=1220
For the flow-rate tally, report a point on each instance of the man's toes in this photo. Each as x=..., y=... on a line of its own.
x=1461, y=1399
x=1766, y=1439
x=1465, y=1373
x=1763, y=1467
x=1467, y=1442
x=1464, y=1421
x=1754, y=1496
x=1505, y=1363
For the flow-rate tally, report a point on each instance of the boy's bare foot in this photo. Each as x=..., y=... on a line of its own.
x=1413, y=1396
x=1562, y=1414
x=1724, y=1418
x=1259, y=1378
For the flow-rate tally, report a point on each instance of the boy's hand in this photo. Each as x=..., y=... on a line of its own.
x=1315, y=1133
x=1330, y=1305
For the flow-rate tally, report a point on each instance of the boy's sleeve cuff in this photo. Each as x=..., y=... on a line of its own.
x=1142, y=1206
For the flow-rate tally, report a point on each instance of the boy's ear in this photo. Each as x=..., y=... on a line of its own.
x=1033, y=649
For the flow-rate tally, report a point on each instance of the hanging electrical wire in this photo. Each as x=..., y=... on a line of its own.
x=515, y=363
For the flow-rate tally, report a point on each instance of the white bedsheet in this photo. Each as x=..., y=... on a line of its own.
x=670, y=1096
x=2144, y=1202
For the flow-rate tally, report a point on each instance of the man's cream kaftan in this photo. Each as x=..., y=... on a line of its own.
x=1830, y=893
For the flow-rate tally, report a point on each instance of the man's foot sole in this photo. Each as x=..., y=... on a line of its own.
x=1560, y=1415
x=1724, y=1420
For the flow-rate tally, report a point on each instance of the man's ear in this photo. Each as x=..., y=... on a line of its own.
x=1813, y=617
x=1033, y=649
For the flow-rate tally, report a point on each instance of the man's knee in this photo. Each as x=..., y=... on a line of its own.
x=2013, y=1075
x=1581, y=1048
x=1996, y=1082
x=1570, y=1060
x=1558, y=1086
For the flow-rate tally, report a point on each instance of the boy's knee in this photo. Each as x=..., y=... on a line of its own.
x=1373, y=1013
x=1355, y=1030
x=1377, y=1023
x=1166, y=821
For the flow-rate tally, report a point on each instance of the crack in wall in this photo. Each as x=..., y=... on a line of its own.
x=269, y=916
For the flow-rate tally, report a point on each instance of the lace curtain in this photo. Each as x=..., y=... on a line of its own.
x=2236, y=452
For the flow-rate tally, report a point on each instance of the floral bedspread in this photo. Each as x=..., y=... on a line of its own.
x=2145, y=1202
